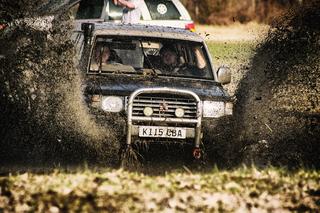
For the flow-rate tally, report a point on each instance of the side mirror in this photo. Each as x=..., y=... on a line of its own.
x=87, y=29
x=224, y=75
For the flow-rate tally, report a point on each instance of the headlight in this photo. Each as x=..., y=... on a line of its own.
x=112, y=103
x=216, y=109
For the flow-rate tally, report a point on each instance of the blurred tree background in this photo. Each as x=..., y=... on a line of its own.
x=223, y=12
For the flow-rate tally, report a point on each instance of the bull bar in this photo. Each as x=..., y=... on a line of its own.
x=165, y=90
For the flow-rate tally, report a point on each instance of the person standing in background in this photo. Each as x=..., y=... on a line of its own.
x=131, y=10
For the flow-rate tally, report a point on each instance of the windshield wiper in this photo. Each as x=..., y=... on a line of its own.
x=154, y=73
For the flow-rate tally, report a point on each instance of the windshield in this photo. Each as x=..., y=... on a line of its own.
x=164, y=57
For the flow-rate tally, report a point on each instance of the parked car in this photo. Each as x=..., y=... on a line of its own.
x=155, y=102
x=154, y=12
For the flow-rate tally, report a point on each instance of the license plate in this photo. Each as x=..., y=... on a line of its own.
x=162, y=132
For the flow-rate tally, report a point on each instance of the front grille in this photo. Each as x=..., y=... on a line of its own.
x=164, y=107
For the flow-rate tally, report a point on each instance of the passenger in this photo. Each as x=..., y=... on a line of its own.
x=103, y=55
x=131, y=10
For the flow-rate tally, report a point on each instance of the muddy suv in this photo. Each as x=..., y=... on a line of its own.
x=160, y=82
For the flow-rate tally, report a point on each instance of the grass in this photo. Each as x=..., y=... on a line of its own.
x=234, y=32
x=234, y=54
x=246, y=189
x=231, y=52
x=233, y=45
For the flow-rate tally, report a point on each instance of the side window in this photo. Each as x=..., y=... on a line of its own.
x=90, y=9
x=163, y=10
x=115, y=12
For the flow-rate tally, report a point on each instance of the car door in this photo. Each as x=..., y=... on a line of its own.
x=169, y=13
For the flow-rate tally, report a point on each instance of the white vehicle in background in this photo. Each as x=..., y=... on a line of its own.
x=169, y=13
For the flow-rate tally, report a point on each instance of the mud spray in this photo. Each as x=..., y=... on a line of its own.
x=278, y=100
x=43, y=119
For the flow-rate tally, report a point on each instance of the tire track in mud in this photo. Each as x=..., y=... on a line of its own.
x=44, y=119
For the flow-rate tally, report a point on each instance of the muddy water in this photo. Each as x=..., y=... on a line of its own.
x=278, y=101
x=44, y=119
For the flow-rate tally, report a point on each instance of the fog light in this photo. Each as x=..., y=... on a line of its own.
x=179, y=112
x=148, y=111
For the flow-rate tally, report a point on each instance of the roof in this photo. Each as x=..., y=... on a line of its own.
x=146, y=31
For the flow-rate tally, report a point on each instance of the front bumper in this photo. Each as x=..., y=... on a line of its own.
x=195, y=132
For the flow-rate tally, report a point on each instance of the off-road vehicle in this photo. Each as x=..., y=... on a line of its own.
x=153, y=102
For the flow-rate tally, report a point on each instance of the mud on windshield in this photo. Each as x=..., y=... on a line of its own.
x=141, y=56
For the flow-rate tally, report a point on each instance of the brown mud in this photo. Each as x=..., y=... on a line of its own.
x=44, y=119
x=278, y=100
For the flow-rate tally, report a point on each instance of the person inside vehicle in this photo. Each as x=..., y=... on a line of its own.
x=131, y=10
x=171, y=62
x=169, y=59
x=104, y=55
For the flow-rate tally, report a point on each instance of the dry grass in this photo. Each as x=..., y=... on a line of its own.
x=246, y=189
x=234, y=54
x=233, y=46
x=251, y=32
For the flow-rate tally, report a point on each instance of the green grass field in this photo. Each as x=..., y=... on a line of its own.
x=234, y=54
x=230, y=52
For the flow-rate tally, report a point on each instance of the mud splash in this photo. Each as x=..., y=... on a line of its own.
x=278, y=101
x=44, y=119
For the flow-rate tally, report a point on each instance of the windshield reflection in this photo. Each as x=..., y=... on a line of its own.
x=157, y=56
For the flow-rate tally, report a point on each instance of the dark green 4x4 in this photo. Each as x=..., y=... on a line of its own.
x=160, y=81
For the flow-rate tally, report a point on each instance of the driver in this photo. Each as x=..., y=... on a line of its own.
x=169, y=58
x=171, y=63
